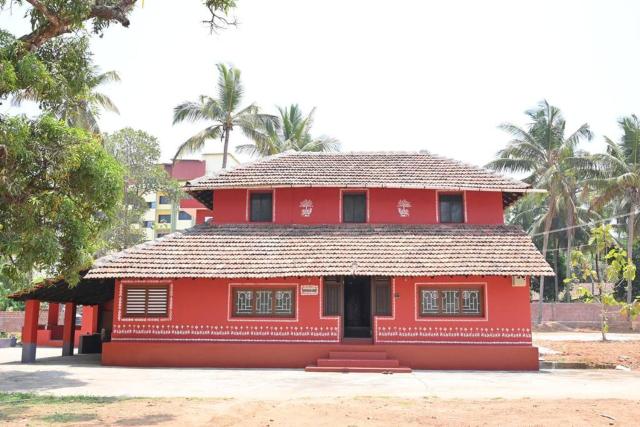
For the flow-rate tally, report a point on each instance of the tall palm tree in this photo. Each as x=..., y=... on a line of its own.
x=81, y=107
x=294, y=133
x=224, y=113
x=620, y=165
x=542, y=151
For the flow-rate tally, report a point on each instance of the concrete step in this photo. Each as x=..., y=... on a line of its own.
x=358, y=355
x=365, y=363
x=396, y=370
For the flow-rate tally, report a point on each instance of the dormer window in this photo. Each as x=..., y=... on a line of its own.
x=261, y=207
x=451, y=208
x=354, y=207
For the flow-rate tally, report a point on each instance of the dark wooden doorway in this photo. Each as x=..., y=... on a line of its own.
x=357, y=307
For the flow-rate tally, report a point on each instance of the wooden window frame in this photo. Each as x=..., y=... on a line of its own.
x=460, y=290
x=146, y=313
x=362, y=193
x=463, y=203
x=250, y=207
x=378, y=282
x=234, y=297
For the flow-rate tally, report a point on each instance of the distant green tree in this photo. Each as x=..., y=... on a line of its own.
x=139, y=154
x=81, y=109
x=292, y=133
x=620, y=183
x=224, y=114
x=58, y=191
x=551, y=161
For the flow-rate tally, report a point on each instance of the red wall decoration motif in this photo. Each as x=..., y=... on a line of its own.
x=201, y=312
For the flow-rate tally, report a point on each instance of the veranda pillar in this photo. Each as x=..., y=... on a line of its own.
x=89, y=319
x=69, y=329
x=53, y=314
x=30, y=331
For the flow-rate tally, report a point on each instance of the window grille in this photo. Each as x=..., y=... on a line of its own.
x=264, y=302
x=451, y=302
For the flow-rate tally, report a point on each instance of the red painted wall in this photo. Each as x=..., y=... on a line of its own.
x=385, y=206
x=200, y=311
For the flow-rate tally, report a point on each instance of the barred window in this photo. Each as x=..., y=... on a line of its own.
x=451, y=302
x=264, y=302
x=146, y=301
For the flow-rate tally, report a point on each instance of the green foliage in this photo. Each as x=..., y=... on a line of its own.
x=224, y=114
x=291, y=131
x=138, y=153
x=43, y=399
x=58, y=190
x=618, y=267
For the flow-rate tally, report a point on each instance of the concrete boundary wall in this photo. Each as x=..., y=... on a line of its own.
x=581, y=315
x=12, y=321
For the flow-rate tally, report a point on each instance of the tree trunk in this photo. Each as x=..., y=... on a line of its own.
x=569, y=269
x=226, y=148
x=557, y=255
x=630, y=235
x=545, y=245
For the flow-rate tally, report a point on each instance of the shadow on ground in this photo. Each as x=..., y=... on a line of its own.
x=45, y=380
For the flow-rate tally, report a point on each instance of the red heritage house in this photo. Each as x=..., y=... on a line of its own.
x=342, y=261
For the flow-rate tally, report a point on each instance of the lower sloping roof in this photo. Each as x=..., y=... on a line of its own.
x=261, y=251
x=86, y=292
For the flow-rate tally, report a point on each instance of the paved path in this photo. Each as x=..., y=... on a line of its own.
x=583, y=336
x=83, y=375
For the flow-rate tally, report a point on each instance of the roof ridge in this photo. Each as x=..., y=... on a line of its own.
x=481, y=168
x=240, y=166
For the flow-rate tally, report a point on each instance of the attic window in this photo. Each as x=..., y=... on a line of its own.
x=354, y=207
x=261, y=207
x=451, y=208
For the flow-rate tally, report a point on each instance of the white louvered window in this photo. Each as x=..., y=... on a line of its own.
x=264, y=302
x=146, y=301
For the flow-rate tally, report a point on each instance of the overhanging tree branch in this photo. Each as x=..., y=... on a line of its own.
x=56, y=25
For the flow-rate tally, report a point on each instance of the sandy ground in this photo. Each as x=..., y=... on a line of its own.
x=359, y=411
x=594, y=353
x=584, y=336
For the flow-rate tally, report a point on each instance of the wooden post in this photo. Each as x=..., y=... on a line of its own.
x=69, y=329
x=53, y=314
x=30, y=331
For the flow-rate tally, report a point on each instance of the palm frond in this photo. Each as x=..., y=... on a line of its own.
x=197, y=141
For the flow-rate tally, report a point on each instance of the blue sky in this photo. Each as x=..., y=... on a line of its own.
x=402, y=75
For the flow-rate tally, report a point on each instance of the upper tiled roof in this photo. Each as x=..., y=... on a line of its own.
x=359, y=169
x=261, y=251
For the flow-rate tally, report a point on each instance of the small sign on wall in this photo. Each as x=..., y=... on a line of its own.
x=519, y=281
x=309, y=290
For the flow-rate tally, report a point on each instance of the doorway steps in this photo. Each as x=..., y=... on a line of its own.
x=358, y=361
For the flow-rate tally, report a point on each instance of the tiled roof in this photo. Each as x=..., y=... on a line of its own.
x=359, y=169
x=260, y=251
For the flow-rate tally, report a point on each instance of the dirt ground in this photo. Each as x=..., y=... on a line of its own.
x=361, y=411
x=594, y=353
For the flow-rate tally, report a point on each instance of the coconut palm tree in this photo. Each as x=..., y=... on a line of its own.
x=224, y=113
x=620, y=165
x=80, y=107
x=548, y=157
x=294, y=133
